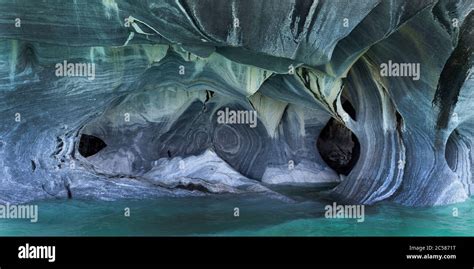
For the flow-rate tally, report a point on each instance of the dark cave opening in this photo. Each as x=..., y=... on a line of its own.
x=338, y=146
x=347, y=106
x=90, y=145
x=451, y=152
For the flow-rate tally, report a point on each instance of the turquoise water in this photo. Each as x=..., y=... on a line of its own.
x=259, y=216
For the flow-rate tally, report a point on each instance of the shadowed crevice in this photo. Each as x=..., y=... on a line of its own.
x=338, y=146
x=454, y=74
x=90, y=145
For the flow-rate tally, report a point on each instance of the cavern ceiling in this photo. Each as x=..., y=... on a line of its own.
x=111, y=99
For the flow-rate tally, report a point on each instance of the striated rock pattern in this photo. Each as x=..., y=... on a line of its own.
x=111, y=99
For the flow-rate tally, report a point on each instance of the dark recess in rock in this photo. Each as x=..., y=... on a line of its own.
x=89, y=145
x=67, y=186
x=349, y=109
x=338, y=147
x=33, y=165
x=27, y=58
x=192, y=187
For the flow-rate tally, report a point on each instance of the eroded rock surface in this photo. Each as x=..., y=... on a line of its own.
x=143, y=119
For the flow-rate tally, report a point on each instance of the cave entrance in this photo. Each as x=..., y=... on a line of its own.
x=90, y=145
x=339, y=146
x=451, y=150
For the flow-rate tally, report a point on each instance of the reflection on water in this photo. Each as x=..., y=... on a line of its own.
x=258, y=215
